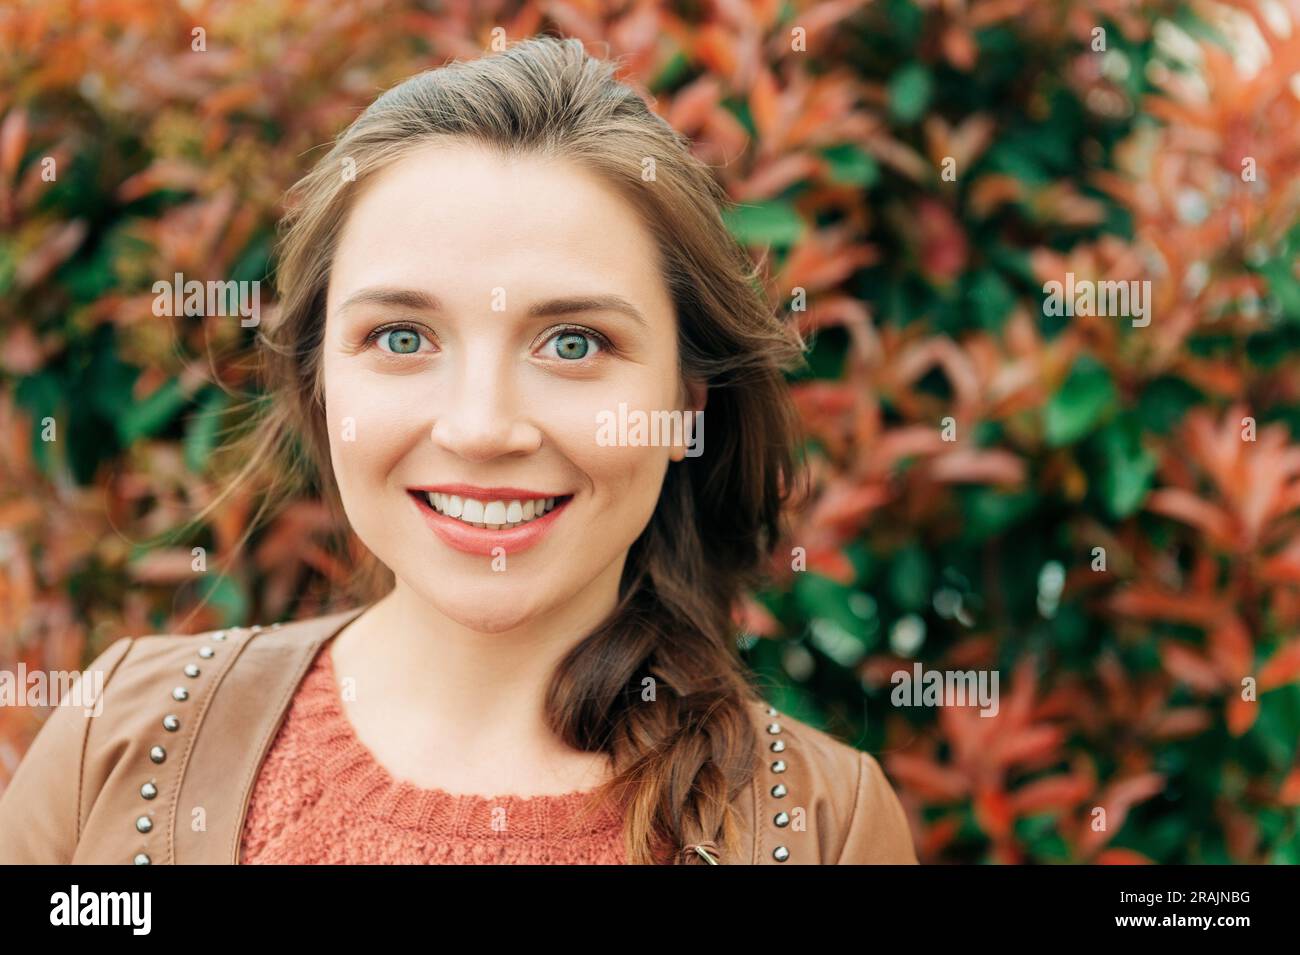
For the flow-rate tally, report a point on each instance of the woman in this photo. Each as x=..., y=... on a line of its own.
x=506, y=298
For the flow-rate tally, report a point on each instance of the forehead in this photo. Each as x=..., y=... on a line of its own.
x=457, y=218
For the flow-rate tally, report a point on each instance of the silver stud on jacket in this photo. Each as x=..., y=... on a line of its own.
x=781, y=819
x=172, y=723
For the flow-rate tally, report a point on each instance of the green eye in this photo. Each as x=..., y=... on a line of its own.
x=571, y=345
x=401, y=341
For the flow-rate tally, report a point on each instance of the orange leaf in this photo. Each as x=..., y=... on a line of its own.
x=1057, y=793
x=833, y=564
x=13, y=137
x=1190, y=667
x=1282, y=668
x=995, y=813
x=1240, y=714
x=1231, y=649
x=1187, y=507
x=1122, y=857
x=765, y=105
x=926, y=778
x=1149, y=603
x=1289, y=794
x=1029, y=745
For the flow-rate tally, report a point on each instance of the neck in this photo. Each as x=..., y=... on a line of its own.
x=463, y=696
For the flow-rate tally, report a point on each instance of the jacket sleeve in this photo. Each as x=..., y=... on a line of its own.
x=878, y=832
x=40, y=809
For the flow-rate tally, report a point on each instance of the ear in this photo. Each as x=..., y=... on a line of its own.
x=697, y=395
x=694, y=396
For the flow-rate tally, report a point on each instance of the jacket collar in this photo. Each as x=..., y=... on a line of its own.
x=252, y=703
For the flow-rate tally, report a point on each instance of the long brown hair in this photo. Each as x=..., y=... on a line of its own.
x=679, y=760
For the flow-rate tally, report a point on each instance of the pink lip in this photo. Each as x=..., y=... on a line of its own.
x=483, y=541
x=487, y=493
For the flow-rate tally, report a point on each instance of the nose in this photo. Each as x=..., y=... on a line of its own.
x=477, y=415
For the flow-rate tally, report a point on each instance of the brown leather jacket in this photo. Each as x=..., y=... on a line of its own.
x=187, y=721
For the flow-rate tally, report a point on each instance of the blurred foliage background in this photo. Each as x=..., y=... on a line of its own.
x=1113, y=527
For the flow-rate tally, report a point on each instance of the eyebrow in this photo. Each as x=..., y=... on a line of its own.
x=422, y=301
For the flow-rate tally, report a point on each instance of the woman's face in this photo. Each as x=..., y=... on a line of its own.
x=483, y=314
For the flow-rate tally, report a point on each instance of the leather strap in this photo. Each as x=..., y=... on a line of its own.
x=271, y=664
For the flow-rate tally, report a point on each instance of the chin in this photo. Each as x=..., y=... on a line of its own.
x=486, y=609
x=497, y=621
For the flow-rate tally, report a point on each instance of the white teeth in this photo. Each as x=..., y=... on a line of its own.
x=490, y=514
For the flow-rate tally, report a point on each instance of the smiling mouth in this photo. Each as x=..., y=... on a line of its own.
x=490, y=514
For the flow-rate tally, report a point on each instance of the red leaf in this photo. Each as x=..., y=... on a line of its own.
x=1231, y=649
x=1056, y=793
x=995, y=813
x=1190, y=667
x=1282, y=668
x=13, y=138
x=1240, y=714
x=927, y=778
x=1122, y=857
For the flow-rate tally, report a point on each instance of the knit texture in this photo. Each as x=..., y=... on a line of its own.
x=321, y=798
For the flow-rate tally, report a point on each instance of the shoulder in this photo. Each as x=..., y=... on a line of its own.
x=44, y=807
x=823, y=800
x=178, y=666
x=139, y=708
x=137, y=671
x=138, y=681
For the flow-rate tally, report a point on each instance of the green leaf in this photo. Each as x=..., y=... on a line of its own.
x=148, y=417
x=671, y=74
x=826, y=604
x=990, y=512
x=227, y=595
x=1283, y=285
x=254, y=263
x=1275, y=729
x=1087, y=395
x=89, y=276
x=990, y=298
x=202, y=429
x=1164, y=403
x=42, y=397
x=851, y=166
x=8, y=268
x=910, y=577
x=1129, y=470
x=909, y=92
x=773, y=223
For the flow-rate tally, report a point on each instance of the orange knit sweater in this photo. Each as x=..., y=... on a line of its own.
x=322, y=798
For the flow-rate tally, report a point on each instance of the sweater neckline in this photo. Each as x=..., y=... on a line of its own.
x=354, y=773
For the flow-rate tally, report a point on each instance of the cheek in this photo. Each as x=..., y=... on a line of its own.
x=371, y=427
x=625, y=479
